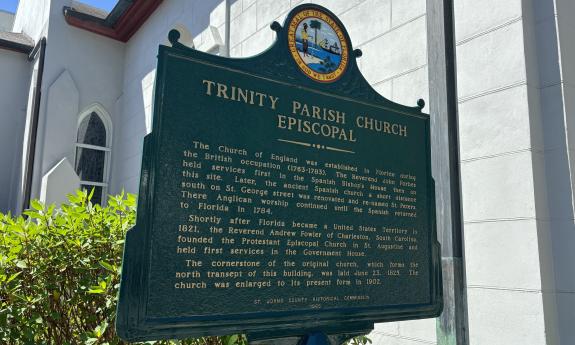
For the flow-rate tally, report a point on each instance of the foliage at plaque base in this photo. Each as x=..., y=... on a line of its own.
x=59, y=273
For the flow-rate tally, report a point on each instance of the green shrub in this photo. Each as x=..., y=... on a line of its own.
x=59, y=273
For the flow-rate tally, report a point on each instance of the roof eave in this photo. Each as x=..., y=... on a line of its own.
x=120, y=24
x=18, y=47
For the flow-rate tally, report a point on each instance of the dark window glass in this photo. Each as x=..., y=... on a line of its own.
x=90, y=164
x=92, y=131
x=97, y=197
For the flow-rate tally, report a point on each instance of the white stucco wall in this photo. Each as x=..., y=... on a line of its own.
x=58, y=183
x=6, y=21
x=32, y=18
x=515, y=174
x=551, y=52
x=139, y=75
x=14, y=83
x=94, y=65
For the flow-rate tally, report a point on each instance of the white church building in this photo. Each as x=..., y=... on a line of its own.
x=76, y=102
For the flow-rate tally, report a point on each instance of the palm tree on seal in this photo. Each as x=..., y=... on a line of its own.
x=316, y=25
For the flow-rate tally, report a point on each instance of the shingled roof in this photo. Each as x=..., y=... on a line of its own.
x=89, y=10
x=16, y=41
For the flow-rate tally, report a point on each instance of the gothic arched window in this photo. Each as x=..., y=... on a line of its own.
x=92, y=155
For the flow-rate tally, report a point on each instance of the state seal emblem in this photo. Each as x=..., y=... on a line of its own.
x=318, y=45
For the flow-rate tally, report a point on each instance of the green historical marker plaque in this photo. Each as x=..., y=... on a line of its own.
x=280, y=195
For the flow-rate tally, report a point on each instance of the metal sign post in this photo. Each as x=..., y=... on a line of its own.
x=452, y=324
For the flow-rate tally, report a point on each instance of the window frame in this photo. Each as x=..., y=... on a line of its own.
x=104, y=116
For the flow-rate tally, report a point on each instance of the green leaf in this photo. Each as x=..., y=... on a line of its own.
x=21, y=264
x=101, y=329
x=37, y=205
x=32, y=214
x=230, y=340
x=14, y=276
x=91, y=341
x=108, y=266
x=91, y=194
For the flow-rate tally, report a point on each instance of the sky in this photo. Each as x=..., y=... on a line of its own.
x=8, y=5
x=107, y=5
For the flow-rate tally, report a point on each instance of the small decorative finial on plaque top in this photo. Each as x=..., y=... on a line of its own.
x=421, y=103
x=275, y=26
x=174, y=38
